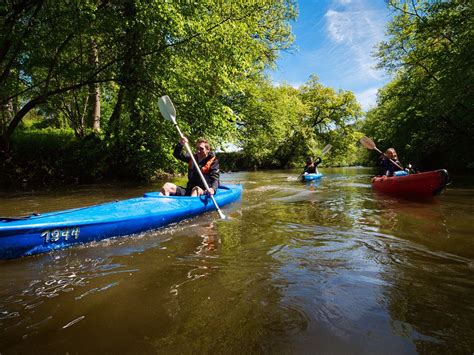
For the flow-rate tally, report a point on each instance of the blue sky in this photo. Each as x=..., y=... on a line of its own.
x=335, y=40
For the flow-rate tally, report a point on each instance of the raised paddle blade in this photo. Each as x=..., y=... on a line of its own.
x=167, y=108
x=326, y=149
x=367, y=142
x=168, y=111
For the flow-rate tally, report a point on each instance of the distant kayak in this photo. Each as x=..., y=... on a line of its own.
x=41, y=233
x=425, y=184
x=310, y=177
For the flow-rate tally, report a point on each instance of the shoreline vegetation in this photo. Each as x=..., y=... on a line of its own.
x=55, y=157
x=79, y=89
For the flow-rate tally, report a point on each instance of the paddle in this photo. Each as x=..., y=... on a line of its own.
x=11, y=219
x=325, y=150
x=369, y=144
x=168, y=112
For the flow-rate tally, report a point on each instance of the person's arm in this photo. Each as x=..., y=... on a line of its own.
x=179, y=154
x=317, y=162
x=382, y=160
x=214, y=174
x=396, y=168
x=383, y=165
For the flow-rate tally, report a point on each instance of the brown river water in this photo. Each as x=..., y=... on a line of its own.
x=313, y=268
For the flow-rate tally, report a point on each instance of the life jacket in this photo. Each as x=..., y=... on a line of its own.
x=204, y=169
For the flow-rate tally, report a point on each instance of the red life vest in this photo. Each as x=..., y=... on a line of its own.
x=206, y=168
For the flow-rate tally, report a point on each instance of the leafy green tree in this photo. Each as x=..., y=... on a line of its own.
x=267, y=121
x=282, y=125
x=330, y=115
x=426, y=111
x=202, y=54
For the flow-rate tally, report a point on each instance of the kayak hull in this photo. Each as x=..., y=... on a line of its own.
x=311, y=177
x=421, y=185
x=57, y=230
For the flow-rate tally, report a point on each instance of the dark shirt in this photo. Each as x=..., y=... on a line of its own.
x=212, y=177
x=387, y=167
x=312, y=168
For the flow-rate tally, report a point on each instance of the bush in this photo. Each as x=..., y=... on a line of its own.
x=51, y=156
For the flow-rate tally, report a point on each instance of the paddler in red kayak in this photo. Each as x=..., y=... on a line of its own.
x=387, y=167
x=208, y=164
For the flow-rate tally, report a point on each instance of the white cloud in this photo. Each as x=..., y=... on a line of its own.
x=295, y=85
x=367, y=98
x=357, y=29
x=336, y=27
x=229, y=148
x=335, y=41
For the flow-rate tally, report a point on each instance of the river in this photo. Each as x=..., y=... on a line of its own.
x=324, y=267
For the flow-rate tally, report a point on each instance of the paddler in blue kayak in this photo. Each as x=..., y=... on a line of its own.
x=208, y=164
x=311, y=166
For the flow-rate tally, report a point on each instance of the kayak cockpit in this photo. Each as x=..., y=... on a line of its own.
x=156, y=194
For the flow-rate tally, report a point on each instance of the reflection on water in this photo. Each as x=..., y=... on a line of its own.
x=318, y=267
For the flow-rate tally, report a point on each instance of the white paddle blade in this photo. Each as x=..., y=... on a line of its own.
x=167, y=108
x=326, y=149
x=367, y=142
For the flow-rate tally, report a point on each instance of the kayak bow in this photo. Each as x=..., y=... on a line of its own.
x=310, y=177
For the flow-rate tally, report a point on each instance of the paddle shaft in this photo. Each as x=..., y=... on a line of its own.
x=326, y=149
x=369, y=144
x=188, y=149
x=385, y=155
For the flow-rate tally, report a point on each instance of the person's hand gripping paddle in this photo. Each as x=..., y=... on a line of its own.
x=168, y=112
x=325, y=150
x=369, y=144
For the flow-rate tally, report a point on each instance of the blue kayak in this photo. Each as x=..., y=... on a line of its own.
x=41, y=233
x=310, y=177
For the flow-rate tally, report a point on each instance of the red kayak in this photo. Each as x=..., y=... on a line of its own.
x=425, y=184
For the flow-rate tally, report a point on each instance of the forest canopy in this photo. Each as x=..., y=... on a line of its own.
x=80, y=82
x=427, y=110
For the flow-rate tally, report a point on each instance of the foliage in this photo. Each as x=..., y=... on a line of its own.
x=203, y=54
x=267, y=119
x=426, y=111
x=281, y=126
x=47, y=156
x=330, y=116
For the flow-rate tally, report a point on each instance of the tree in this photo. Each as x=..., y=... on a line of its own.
x=330, y=115
x=267, y=121
x=426, y=111
x=281, y=125
x=57, y=56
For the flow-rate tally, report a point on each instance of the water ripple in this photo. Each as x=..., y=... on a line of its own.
x=73, y=322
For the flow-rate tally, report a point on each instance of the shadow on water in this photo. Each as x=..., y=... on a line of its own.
x=326, y=267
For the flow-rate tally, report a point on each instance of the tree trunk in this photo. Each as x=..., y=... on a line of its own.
x=94, y=91
x=6, y=115
x=126, y=73
x=114, y=120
